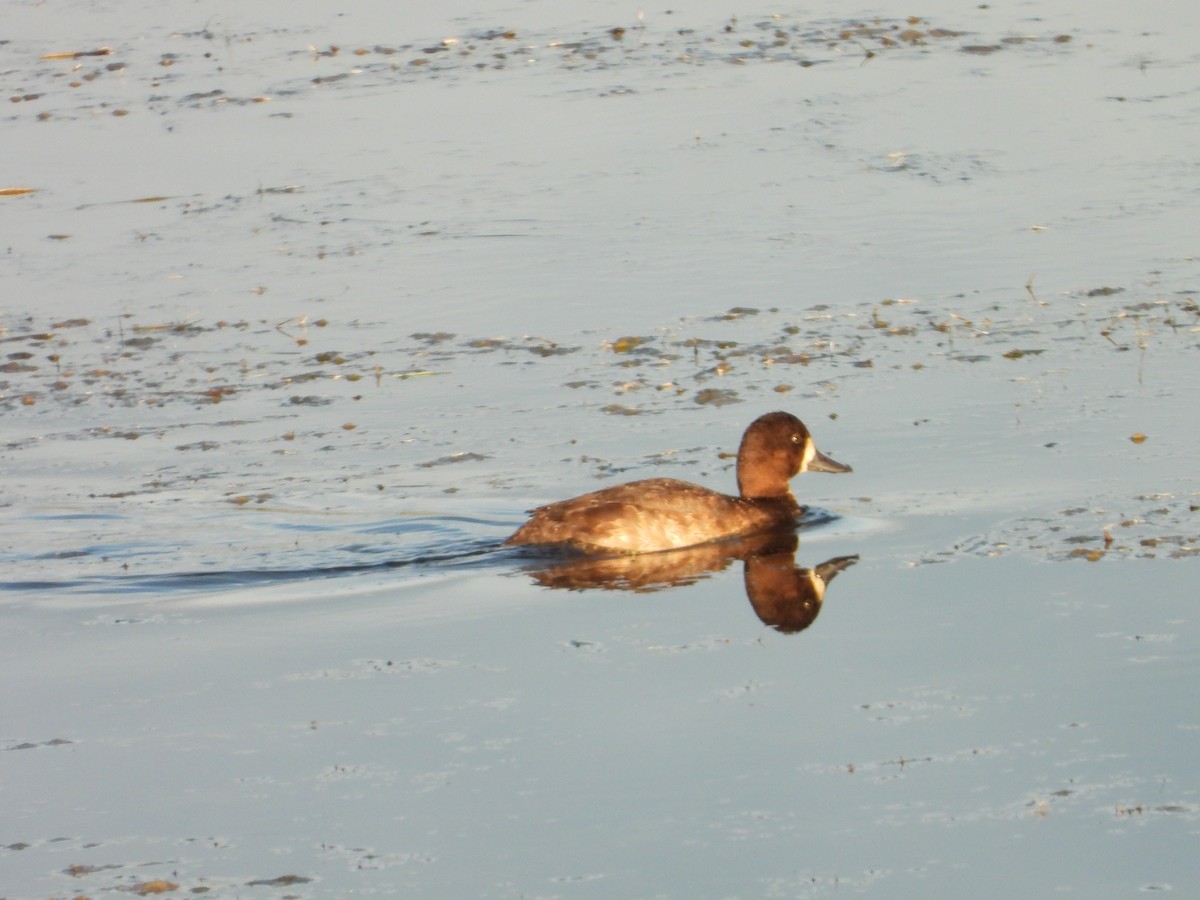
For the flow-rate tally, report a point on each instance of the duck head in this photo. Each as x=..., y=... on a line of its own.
x=775, y=448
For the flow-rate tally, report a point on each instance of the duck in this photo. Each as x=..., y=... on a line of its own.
x=657, y=514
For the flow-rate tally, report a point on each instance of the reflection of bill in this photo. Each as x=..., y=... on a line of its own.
x=783, y=596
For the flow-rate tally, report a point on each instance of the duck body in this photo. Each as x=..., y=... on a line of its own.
x=666, y=514
x=654, y=514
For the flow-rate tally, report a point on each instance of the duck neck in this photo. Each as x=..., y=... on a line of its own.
x=757, y=487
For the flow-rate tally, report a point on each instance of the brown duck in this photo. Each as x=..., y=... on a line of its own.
x=665, y=513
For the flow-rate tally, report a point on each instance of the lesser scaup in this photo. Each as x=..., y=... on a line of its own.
x=665, y=513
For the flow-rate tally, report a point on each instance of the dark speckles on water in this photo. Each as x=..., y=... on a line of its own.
x=453, y=458
x=716, y=397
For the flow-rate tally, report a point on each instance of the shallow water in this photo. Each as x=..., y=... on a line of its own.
x=292, y=335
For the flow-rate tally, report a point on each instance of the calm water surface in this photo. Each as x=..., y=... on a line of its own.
x=303, y=311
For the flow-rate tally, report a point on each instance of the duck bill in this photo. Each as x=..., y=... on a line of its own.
x=822, y=463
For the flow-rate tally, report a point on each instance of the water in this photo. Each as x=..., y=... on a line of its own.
x=284, y=364
x=463, y=736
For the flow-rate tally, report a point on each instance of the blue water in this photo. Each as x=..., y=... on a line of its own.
x=273, y=396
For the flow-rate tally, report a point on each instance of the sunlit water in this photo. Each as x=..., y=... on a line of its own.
x=303, y=313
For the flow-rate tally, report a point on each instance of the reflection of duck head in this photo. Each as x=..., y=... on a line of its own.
x=783, y=596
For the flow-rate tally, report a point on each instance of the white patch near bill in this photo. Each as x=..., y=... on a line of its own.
x=810, y=450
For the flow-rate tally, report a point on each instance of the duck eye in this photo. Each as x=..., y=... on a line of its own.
x=795, y=438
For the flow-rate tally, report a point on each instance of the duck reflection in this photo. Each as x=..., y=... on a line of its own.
x=785, y=597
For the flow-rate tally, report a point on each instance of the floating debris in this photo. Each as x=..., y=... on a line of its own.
x=1019, y=354
x=281, y=881
x=77, y=54
x=626, y=344
x=453, y=458
x=717, y=397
